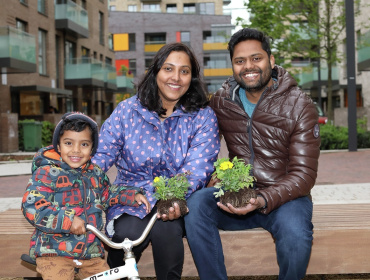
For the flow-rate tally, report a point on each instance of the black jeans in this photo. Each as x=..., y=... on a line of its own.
x=166, y=239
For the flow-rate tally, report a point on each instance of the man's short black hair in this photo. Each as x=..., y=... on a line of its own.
x=249, y=34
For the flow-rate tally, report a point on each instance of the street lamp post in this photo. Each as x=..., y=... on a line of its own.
x=351, y=76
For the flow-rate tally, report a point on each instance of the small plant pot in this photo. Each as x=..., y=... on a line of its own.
x=163, y=206
x=238, y=199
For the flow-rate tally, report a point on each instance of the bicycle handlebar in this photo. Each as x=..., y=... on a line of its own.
x=121, y=245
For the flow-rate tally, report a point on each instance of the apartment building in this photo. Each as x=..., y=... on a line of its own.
x=310, y=81
x=55, y=57
x=140, y=28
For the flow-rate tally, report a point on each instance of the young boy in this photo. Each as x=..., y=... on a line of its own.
x=66, y=192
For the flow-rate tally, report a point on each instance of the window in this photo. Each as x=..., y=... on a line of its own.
x=83, y=4
x=148, y=62
x=25, y=2
x=216, y=36
x=21, y=25
x=132, y=67
x=112, y=8
x=124, y=42
x=155, y=38
x=132, y=8
x=152, y=8
x=189, y=9
x=41, y=6
x=42, y=52
x=171, y=8
x=216, y=61
x=108, y=61
x=85, y=53
x=131, y=42
x=110, y=41
x=70, y=51
x=183, y=37
x=207, y=8
x=101, y=28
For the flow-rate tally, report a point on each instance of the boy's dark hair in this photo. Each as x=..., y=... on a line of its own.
x=192, y=100
x=249, y=34
x=78, y=122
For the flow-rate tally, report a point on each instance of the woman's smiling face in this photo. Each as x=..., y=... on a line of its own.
x=174, y=78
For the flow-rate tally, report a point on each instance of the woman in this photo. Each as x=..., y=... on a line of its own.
x=167, y=128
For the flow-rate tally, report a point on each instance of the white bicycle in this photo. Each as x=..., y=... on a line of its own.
x=129, y=270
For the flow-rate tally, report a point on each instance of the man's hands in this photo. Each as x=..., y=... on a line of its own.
x=140, y=199
x=254, y=203
x=173, y=214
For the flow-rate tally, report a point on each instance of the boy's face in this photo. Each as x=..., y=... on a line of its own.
x=75, y=147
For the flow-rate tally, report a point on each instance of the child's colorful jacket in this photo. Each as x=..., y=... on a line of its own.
x=56, y=193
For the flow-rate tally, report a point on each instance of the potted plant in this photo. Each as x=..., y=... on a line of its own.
x=171, y=190
x=234, y=182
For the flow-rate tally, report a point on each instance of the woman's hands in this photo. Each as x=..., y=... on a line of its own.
x=140, y=199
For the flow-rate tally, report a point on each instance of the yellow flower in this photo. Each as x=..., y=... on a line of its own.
x=226, y=165
x=156, y=180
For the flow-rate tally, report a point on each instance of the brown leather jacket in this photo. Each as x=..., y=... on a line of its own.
x=281, y=139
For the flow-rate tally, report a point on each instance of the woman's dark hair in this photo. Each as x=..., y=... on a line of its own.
x=249, y=34
x=147, y=90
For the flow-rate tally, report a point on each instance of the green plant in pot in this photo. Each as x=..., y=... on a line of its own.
x=235, y=183
x=171, y=190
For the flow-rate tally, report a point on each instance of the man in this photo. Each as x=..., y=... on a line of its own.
x=269, y=122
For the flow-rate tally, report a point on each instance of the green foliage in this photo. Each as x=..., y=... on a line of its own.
x=303, y=28
x=47, y=131
x=174, y=187
x=233, y=175
x=336, y=137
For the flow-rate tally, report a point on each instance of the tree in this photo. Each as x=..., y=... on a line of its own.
x=308, y=28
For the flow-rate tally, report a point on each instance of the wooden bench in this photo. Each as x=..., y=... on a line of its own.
x=341, y=240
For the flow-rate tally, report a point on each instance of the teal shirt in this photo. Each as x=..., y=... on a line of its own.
x=248, y=106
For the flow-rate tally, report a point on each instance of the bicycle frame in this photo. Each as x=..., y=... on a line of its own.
x=128, y=270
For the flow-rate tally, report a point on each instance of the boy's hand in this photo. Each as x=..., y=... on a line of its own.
x=78, y=226
x=140, y=199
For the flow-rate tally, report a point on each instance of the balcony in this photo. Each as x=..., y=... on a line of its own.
x=309, y=79
x=84, y=72
x=17, y=51
x=363, y=53
x=72, y=18
x=110, y=77
x=124, y=83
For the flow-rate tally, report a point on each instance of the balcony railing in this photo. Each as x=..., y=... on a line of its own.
x=308, y=79
x=124, y=83
x=72, y=17
x=84, y=72
x=17, y=50
x=110, y=77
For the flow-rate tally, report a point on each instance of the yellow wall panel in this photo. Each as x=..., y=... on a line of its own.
x=214, y=46
x=120, y=42
x=218, y=72
x=153, y=48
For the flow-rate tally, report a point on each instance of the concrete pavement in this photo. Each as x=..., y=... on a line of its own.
x=343, y=177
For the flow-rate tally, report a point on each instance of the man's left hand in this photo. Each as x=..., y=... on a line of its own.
x=254, y=203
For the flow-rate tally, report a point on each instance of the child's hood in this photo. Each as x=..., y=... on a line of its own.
x=48, y=156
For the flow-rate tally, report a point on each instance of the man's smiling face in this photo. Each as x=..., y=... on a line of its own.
x=252, y=67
